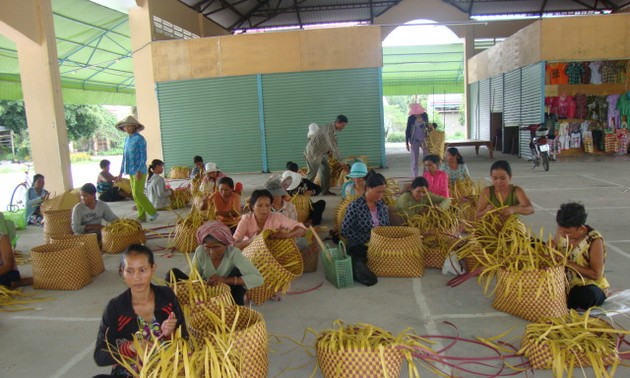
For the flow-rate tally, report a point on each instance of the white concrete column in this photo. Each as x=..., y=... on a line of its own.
x=29, y=23
x=469, y=52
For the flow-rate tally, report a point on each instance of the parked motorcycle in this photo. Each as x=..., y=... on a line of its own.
x=539, y=145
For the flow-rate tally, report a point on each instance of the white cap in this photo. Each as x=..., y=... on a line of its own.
x=312, y=128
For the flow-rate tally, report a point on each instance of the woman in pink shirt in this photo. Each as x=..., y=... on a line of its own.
x=437, y=179
x=261, y=218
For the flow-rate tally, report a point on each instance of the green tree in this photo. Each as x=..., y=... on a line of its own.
x=13, y=115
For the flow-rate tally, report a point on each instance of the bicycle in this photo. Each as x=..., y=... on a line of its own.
x=19, y=193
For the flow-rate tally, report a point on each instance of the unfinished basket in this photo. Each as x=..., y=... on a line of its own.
x=248, y=331
x=90, y=246
x=527, y=295
x=118, y=242
x=310, y=257
x=57, y=223
x=193, y=292
x=278, y=261
x=60, y=267
x=396, y=251
x=359, y=363
x=303, y=206
x=436, y=248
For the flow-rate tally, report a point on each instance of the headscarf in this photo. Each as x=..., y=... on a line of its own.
x=217, y=230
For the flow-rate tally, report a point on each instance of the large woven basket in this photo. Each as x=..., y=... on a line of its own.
x=529, y=297
x=57, y=223
x=540, y=355
x=90, y=247
x=191, y=293
x=249, y=334
x=396, y=251
x=303, y=206
x=60, y=267
x=179, y=172
x=340, y=212
x=436, y=248
x=118, y=242
x=359, y=363
x=278, y=261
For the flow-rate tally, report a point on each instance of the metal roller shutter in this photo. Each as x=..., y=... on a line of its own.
x=293, y=100
x=484, y=110
x=512, y=98
x=216, y=118
x=532, y=101
x=496, y=94
x=473, y=94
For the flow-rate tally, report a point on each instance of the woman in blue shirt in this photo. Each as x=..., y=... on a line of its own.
x=35, y=195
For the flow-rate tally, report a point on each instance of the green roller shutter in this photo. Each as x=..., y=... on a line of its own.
x=484, y=110
x=216, y=118
x=292, y=101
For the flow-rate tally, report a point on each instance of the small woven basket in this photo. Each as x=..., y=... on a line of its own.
x=90, y=246
x=396, y=251
x=249, y=334
x=532, y=294
x=278, y=261
x=60, y=267
x=303, y=206
x=57, y=223
x=437, y=247
x=179, y=172
x=310, y=258
x=359, y=363
x=185, y=240
x=193, y=292
x=118, y=242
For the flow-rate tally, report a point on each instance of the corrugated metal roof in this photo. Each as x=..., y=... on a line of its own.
x=477, y=8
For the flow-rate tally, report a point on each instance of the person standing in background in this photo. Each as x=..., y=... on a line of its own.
x=321, y=145
x=134, y=164
x=415, y=135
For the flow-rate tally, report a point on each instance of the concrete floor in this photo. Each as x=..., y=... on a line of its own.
x=57, y=339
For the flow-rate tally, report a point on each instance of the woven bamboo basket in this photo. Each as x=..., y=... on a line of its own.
x=436, y=248
x=118, y=242
x=278, y=261
x=359, y=363
x=528, y=296
x=192, y=293
x=91, y=249
x=179, y=172
x=60, y=267
x=185, y=240
x=340, y=212
x=249, y=334
x=180, y=198
x=310, y=257
x=396, y=251
x=540, y=355
x=303, y=206
x=435, y=143
x=57, y=223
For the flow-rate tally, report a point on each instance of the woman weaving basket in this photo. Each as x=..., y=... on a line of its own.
x=262, y=218
x=143, y=309
x=363, y=214
x=218, y=261
x=585, y=265
x=503, y=194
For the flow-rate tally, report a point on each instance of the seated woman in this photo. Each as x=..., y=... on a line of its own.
x=105, y=185
x=211, y=178
x=88, y=215
x=217, y=260
x=356, y=184
x=261, y=218
x=198, y=168
x=438, y=180
x=363, y=214
x=585, y=265
x=226, y=203
x=35, y=195
x=157, y=193
x=143, y=309
x=454, y=166
x=281, y=200
x=503, y=194
x=9, y=273
x=302, y=185
x=419, y=198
